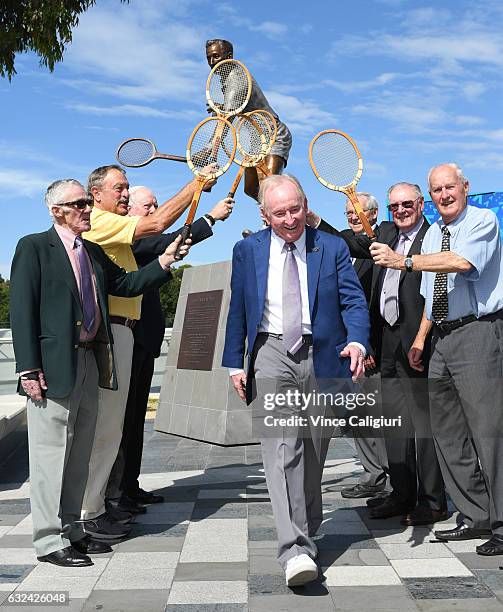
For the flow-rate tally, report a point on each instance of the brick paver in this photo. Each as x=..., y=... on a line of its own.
x=211, y=546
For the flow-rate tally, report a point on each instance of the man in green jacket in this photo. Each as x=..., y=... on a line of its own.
x=64, y=350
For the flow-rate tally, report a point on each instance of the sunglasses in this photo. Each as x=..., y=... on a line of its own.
x=80, y=204
x=406, y=204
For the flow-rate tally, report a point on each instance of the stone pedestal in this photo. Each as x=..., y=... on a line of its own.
x=202, y=404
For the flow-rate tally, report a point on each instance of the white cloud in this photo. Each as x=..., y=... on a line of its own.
x=22, y=183
x=167, y=64
x=301, y=116
x=407, y=116
x=272, y=29
x=473, y=90
x=135, y=110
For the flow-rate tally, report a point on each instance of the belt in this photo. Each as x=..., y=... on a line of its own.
x=88, y=345
x=308, y=338
x=447, y=326
x=123, y=321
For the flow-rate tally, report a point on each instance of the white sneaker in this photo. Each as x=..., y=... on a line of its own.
x=300, y=569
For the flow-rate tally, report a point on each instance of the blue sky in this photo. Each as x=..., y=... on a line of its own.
x=414, y=83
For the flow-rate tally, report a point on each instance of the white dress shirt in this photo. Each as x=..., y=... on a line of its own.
x=272, y=318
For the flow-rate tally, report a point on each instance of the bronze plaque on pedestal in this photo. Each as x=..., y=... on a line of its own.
x=199, y=332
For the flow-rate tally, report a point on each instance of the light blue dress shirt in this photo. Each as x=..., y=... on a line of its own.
x=475, y=235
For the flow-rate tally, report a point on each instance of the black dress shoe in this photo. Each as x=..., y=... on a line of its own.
x=422, y=515
x=145, y=497
x=119, y=516
x=462, y=532
x=127, y=504
x=492, y=547
x=88, y=546
x=389, y=508
x=373, y=502
x=359, y=491
x=67, y=557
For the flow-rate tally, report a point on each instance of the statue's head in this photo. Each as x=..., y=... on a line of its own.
x=217, y=50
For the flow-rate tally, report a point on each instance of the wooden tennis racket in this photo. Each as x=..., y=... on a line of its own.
x=252, y=145
x=138, y=152
x=269, y=125
x=337, y=164
x=208, y=159
x=228, y=87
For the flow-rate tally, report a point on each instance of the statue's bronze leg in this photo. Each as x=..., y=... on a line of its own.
x=271, y=164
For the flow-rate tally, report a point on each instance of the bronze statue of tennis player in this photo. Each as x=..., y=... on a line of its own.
x=274, y=163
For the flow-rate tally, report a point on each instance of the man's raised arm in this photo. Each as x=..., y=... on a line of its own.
x=169, y=212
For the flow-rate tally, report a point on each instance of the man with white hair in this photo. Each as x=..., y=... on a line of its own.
x=462, y=283
x=148, y=335
x=63, y=346
x=297, y=302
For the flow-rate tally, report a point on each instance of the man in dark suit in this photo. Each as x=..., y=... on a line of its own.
x=371, y=449
x=148, y=336
x=396, y=307
x=64, y=349
x=297, y=301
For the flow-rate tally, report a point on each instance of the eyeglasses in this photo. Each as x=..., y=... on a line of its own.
x=353, y=213
x=80, y=204
x=406, y=204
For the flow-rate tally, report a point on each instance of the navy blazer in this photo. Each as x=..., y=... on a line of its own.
x=337, y=303
x=149, y=330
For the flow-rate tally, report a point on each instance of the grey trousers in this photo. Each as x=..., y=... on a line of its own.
x=108, y=435
x=466, y=382
x=60, y=438
x=293, y=457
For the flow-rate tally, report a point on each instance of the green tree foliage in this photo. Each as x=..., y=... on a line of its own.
x=169, y=295
x=42, y=26
x=4, y=301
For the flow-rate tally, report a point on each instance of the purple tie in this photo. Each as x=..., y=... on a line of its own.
x=292, y=302
x=391, y=286
x=86, y=285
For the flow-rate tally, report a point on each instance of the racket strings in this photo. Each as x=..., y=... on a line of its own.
x=267, y=124
x=213, y=143
x=335, y=159
x=228, y=88
x=135, y=152
x=251, y=141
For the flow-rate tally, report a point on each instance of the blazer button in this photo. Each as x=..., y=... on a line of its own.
x=78, y=323
x=76, y=346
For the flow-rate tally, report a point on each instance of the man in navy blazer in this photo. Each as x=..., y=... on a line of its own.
x=291, y=279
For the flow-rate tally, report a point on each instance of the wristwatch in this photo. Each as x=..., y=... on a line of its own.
x=409, y=264
x=210, y=219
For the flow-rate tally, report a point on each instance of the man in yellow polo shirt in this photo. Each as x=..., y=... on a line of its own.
x=115, y=232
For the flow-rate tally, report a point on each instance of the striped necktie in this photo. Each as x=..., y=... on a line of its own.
x=440, y=306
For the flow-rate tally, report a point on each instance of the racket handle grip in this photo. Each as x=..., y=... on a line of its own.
x=236, y=182
x=185, y=233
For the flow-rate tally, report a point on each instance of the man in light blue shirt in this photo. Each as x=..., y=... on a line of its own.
x=462, y=284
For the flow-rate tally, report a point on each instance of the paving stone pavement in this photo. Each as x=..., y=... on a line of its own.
x=211, y=546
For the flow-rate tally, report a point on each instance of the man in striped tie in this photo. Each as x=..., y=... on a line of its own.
x=462, y=282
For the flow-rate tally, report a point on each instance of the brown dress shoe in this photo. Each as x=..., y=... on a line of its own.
x=422, y=515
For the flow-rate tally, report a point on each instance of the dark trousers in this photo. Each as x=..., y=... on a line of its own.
x=414, y=470
x=142, y=370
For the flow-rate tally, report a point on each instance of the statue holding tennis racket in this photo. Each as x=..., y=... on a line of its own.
x=235, y=89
